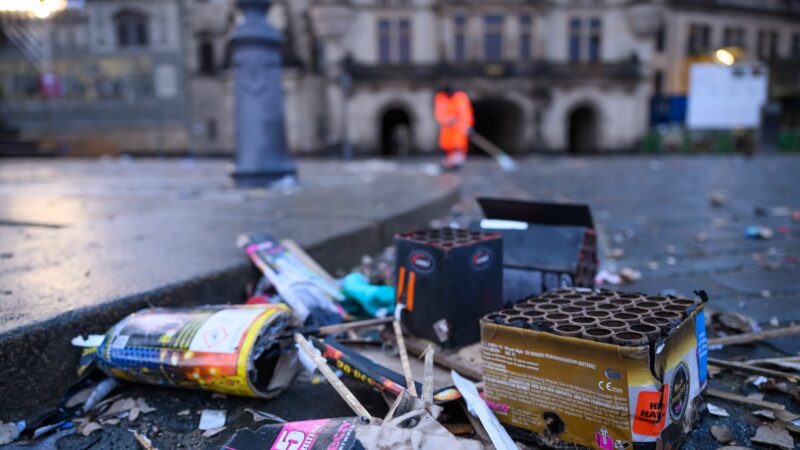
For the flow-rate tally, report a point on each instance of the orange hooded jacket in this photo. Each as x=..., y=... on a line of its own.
x=454, y=114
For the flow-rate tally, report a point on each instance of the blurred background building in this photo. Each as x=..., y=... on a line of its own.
x=578, y=76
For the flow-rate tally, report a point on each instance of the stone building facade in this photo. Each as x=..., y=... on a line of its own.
x=544, y=75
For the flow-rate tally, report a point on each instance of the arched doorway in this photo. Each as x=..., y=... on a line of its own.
x=395, y=132
x=582, y=128
x=499, y=121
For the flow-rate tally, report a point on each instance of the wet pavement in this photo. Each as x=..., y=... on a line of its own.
x=654, y=215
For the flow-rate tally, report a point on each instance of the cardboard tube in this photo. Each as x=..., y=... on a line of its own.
x=583, y=304
x=596, y=299
x=569, y=329
x=534, y=314
x=597, y=334
x=651, y=331
x=685, y=302
x=621, y=302
x=517, y=320
x=659, y=322
x=542, y=323
x=606, y=294
x=653, y=306
x=637, y=310
x=634, y=297
x=546, y=307
x=608, y=307
x=557, y=317
x=560, y=301
x=584, y=321
x=656, y=299
x=629, y=339
x=572, y=310
x=628, y=317
x=573, y=296
x=600, y=315
x=613, y=324
x=677, y=309
x=524, y=306
x=669, y=315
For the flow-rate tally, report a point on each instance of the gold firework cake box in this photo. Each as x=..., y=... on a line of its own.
x=597, y=369
x=232, y=349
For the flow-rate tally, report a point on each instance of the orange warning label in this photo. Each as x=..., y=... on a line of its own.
x=649, y=419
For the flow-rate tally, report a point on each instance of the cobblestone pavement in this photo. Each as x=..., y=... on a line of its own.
x=657, y=214
x=654, y=214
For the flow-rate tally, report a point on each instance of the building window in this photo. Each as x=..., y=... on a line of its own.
x=211, y=130
x=595, y=39
x=575, y=40
x=658, y=83
x=394, y=41
x=493, y=38
x=767, y=44
x=131, y=27
x=796, y=45
x=460, y=38
x=733, y=37
x=525, y=38
x=661, y=37
x=699, y=39
x=404, y=31
x=384, y=41
x=205, y=54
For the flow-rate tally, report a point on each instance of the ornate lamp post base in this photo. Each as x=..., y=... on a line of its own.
x=261, y=153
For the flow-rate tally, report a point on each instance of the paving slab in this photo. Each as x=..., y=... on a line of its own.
x=84, y=242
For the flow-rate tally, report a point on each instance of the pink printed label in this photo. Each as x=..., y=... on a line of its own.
x=298, y=435
x=604, y=440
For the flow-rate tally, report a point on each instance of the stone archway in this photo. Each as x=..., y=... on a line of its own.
x=582, y=130
x=396, y=134
x=500, y=121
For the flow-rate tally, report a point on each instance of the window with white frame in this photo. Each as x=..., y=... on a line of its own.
x=525, y=37
x=493, y=38
x=394, y=41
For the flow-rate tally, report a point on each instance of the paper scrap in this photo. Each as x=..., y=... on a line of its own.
x=93, y=340
x=498, y=435
x=211, y=419
x=717, y=411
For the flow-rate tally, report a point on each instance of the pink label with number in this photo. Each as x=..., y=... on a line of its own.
x=298, y=435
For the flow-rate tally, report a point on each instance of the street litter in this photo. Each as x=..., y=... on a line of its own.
x=759, y=232
x=230, y=349
x=606, y=348
x=446, y=279
x=303, y=285
x=545, y=245
x=211, y=419
x=715, y=410
x=374, y=300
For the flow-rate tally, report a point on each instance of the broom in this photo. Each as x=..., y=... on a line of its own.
x=506, y=163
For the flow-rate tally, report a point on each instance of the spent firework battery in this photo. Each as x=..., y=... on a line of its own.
x=230, y=349
x=446, y=280
x=546, y=245
x=597, y=369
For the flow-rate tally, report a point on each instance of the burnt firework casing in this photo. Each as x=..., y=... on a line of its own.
x=547, y=245
x=447, y=279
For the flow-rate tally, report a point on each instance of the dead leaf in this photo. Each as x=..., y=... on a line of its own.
x=110, y=421
x=630, y=275
x=756, y=396
x=721, y=433
x=90, y=428
x=80, y=397
x=144, y=441
x=119, y=406
x=8, y=432
x=143, y=406
x=185, y=412
x=774, y=434
x=715, y=410
x=134, y=414
x=765, y=413
x=213, y=432
x=786, y=416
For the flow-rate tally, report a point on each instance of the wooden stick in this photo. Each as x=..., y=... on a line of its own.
x=743, y=400
x=787, y=359
x=427, y=385
x=748, y=338
x=298, y=251
x=341, y=327
x=326, y=371
x=746, y=368
x=416, y=347
x=401, y=347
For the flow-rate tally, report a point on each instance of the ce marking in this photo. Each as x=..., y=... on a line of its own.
x=607, y=386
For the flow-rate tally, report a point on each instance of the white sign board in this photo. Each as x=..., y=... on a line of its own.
x=725, y=97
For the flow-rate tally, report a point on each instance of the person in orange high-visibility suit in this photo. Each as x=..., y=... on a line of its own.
x=453, y=111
